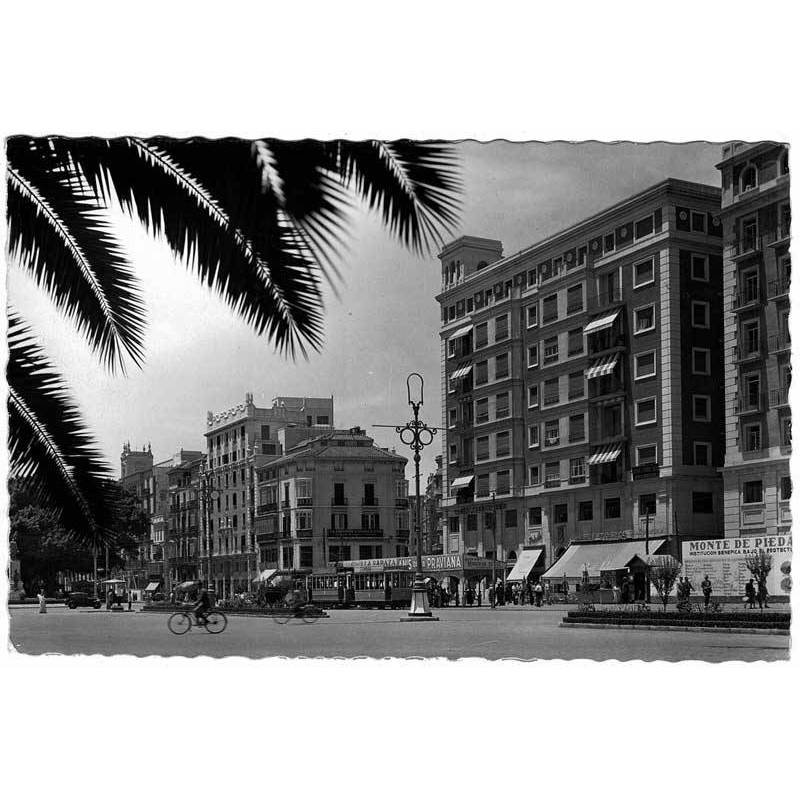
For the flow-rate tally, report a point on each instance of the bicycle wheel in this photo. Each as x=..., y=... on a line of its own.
x=216, y=622
x=310, y=615
x=179, y=623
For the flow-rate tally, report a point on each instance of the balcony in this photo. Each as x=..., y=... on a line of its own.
x=749, y=298
x=746, y=247
x=402, y=535
x=552, y=481
x=338, y=501
x=267, y=536
x=778, y=288
x=779, y=343
x=749, y=405
x=401, y=502
x=781, y=235
x=645, y=471
x=353, y=533
x=604, y=300
x=601, y=342
x=304, y=533
x=267, y=508
x=779, y=397
x=369, y=501
x=286, y=503
x=745, y=353
x=305, y=502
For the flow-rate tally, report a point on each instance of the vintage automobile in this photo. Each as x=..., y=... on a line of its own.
x=82, y=599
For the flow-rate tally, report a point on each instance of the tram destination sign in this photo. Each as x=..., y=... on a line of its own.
x=723, y=560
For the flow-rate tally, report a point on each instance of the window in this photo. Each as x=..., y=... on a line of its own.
x=481, y=335
x=702, y=454
x=511, y=518
x=608, y=243
x=551, y=433
x=749, y=178
x=533, y=435
x=501, y=366
x=482, y=410
x=575, y=299
x=698, y=222
x=646, y=411
x=750, y=337
x=643, y=227
x=453, y=454
x=532, y=316
x=585, y=511
x=533, y=355
x=702, y=503
x=551, y=393
x=700, y=314
x=699, y=268
x=503, y=482
x=552, y=473
x=752, y=492
x=534, y=477
x=533, y=396
x=701, y=361
x=502, y=444
x=302, y=488
x=646, y=454
x=549, y=309
x=482, y=448
x=452, y=417
x=535, y=515
x=786, y=432
x=575, y=385
x=551, y=350
x=577, y=470
x=582, y=255
x=451, y=348
x=481, y=373
x=575, y=342
x=643, y=273
x=482, y=486
x=752, y=437
x=612, y=508
x=560, y=514
x=501, y=328
x=786, y=487
x=303, y=520
x=644, y=365
x=647, y=505
x=577, y=431
x=701, y=408
x=264, y=432
x=644, y=319
x=501, y=408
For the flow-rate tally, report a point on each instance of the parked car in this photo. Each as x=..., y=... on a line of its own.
x=76, y=599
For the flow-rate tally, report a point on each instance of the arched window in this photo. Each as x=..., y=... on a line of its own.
x=512, y=555
x=480, y=265
x=749, y=178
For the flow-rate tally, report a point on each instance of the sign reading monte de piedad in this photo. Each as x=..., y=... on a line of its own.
x=723, y=560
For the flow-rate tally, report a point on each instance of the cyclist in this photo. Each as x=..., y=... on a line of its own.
x=202, y=605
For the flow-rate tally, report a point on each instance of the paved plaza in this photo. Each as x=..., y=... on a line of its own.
x=509, y=632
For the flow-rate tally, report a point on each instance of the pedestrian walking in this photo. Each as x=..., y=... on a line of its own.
x=750, y=594
x=479, y=594
x=762, y=595
x=625, y=590
x=615, y=591
x=491, y=595
x=707, y=589
x=538, y=591
x=42, y=601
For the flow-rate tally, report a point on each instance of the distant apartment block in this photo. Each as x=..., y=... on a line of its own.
x=582, y=380
x=756, y=221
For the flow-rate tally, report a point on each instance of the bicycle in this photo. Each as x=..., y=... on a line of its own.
x=308, y=613
x=181, y=622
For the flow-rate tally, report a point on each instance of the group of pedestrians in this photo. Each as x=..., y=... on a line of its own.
x=756, y=594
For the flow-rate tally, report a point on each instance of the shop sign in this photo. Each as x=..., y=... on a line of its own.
x=723, y=560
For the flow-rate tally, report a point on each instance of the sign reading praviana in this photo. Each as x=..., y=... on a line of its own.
x=723, y=560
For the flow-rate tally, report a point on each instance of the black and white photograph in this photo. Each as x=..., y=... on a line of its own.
x=428, y=432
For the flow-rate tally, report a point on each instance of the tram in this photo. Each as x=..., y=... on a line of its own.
x=367, y=587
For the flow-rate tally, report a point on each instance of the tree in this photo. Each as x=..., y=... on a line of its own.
x=260, y=222
x=760, y=565
x=664, y=572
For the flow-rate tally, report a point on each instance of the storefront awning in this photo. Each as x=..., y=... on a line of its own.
x=461, y=373
x=604, y=455
x=151, y=587
x=604, y=366
x=264, y=575
x=460, y=332
x=601, y=323
x=526, y=561
x=460, y=483
x=598, y=557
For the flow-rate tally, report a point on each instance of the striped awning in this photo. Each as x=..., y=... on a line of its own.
x=601, y=323
x=460, y=483
x=461, y=373
x=460, y=332
x=604, y=366
x=603, y=455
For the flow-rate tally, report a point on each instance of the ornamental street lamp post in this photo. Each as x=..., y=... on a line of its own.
x=209, y=495
x=417, y=435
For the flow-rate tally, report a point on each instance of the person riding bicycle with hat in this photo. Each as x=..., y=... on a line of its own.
x=203, y=603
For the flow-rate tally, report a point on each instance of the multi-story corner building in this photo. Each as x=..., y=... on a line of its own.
x=581, y=380
x=182, y=548
x=237, y=442
x=756, y=273
x=331, y=497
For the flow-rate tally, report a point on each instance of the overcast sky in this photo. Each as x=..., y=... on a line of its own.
x=383, y=325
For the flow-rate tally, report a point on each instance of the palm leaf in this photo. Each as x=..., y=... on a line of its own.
x=415, y=185
x=51, y=452
x=57, y=234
